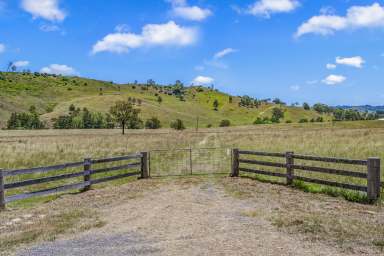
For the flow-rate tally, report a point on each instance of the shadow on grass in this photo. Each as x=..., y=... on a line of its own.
x=352, y=196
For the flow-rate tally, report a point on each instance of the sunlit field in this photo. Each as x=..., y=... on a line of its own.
x=356, y=140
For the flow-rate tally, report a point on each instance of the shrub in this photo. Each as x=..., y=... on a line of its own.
x=153, y=123
x=25, y=120
x=258, y=121
x=225, y=123
x=303, y=120
x=209, y=125
x=177, y=125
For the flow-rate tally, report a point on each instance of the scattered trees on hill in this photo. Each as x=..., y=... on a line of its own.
x=249, y=102
x=178, y=125
x=322, y=108
x=126, y=115
x=277, y=101
x=25, y=120
x=153, y=123
x=352, y=115
x=306, y=106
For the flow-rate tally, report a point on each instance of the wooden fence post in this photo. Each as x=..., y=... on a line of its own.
x=290, y=170
x=144, y=165
x=87, y=173
x=374, y=184
x=190, y=161
x=235, y=163
x=2, y=191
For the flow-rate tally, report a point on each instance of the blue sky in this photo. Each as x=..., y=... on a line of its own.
x=329, y=51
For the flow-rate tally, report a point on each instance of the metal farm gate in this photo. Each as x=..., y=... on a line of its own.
x=189, y=161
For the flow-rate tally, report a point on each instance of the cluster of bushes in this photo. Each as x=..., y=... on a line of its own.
x=249, y=102
x=25, y=120
x=312, y=120
x=152, y=123
x=264, y=120
x=83, y=119
x=353, y=115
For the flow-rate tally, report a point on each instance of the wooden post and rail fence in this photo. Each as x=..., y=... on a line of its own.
x=141, y=166
x=372, y=174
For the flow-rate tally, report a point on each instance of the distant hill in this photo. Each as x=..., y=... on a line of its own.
x=52, y=96
x=364, y=108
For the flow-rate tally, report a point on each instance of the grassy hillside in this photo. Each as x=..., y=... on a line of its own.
x=53, y=95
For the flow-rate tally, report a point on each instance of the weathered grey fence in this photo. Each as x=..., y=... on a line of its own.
x=372, y=176
x=141, y=165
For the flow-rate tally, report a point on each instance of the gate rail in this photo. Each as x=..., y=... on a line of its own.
x=372, y=176
x=86, y=173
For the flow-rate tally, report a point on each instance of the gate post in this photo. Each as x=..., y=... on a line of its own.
x=374, y=183
x=87, y=173
x=144, y=165
x=235, y=163
x=290, y=170
x=2, y=190
x=190, y=161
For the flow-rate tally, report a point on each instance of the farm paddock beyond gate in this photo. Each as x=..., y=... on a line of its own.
x=192, y=215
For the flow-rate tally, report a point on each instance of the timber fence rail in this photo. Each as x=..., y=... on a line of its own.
x=140, y=163
x=371, y=175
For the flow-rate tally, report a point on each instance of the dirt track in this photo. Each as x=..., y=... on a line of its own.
x=193, y=218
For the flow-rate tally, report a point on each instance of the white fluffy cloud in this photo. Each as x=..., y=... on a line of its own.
x=267, y=7
x=152, y=35
x=370, y=16
x=330, y=66
x=334, y=79
x=223, y=53
x=21, y=63
x=203, y=80
x=181, y=9
x=295, y=87
x=356, y=62
x=58, y=69
x=46, y=9
x=2, y=48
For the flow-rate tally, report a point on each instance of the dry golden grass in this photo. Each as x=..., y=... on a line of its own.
x=356, y=140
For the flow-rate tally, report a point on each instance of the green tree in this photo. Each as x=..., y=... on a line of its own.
x=126, y=115
x=177, y=125
x=277, y=114
x=153, y=123
x=306, y=106
x=215, y=104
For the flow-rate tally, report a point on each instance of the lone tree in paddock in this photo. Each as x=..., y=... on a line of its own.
x=126, y=115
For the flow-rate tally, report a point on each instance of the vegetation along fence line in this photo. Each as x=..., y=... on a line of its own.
x=372, y=176
x=141, y=165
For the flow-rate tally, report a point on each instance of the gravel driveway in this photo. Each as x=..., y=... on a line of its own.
x=183, y=219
